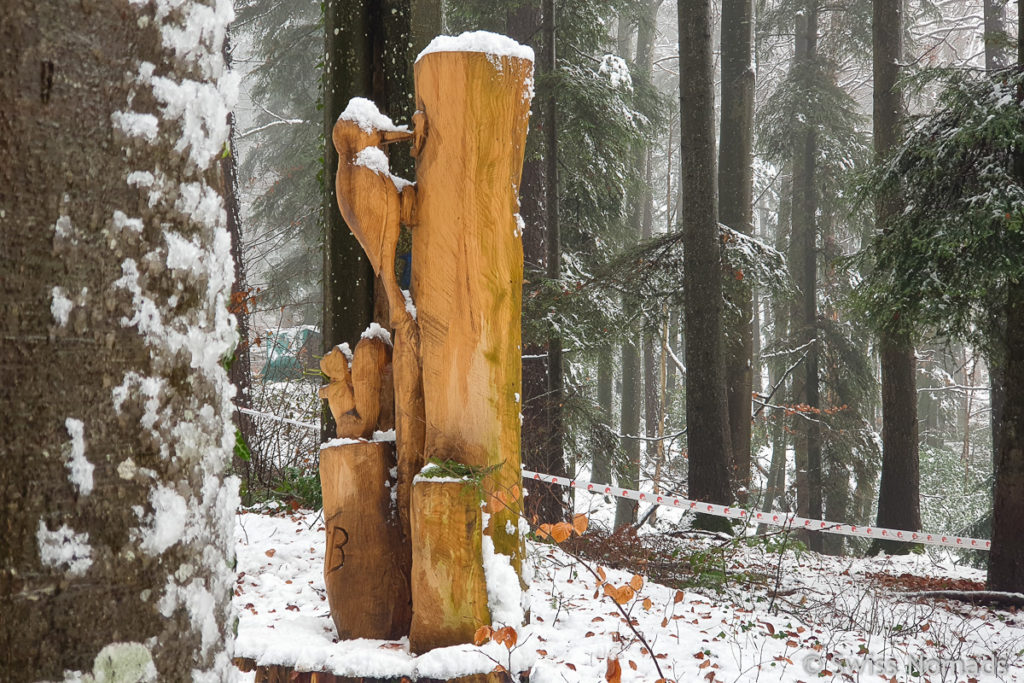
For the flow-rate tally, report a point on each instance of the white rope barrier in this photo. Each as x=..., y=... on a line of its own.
x=781, y=519
x=270, y=416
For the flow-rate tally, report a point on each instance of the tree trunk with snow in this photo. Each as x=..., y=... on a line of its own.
x=116, y=550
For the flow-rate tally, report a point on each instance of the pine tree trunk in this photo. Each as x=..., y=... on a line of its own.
x=602, y=465
x=707, y=413
x=735, y=209
x=898, y=495
x=997, y=41
x=1006, y=559
x=524, y=25
x=116, y=543
x=554, y=456
x=805, y=203
x=628, y=471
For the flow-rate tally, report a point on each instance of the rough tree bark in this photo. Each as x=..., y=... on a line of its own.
x=707, y=414
x=898, y=495
x=735, y=209
x=116, y=544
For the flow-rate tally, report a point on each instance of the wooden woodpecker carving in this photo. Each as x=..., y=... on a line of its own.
x=454, y=374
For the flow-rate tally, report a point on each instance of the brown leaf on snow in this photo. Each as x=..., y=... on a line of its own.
x=270, y=553
x=647, y=603
x=580, y=524
x=613, y=674
x=637, y=582
x=678, y=598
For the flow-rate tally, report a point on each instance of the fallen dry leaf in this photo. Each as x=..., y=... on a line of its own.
x=613, y=674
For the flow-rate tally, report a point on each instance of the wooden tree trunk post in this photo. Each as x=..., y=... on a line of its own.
x=448, y=579
x=366, y=567
x=468, y=269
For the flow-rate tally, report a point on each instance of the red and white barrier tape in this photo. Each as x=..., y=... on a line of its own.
x=782, y=519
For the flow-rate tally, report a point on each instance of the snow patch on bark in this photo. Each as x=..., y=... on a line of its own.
x=60, y=306
x=64, y=549
x=79, y=469
x=167, y=525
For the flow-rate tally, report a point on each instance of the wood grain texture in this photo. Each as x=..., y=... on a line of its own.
x=367, y=563
x=468, y=269
x=447, y=564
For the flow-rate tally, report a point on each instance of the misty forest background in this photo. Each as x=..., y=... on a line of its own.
x=831, y=201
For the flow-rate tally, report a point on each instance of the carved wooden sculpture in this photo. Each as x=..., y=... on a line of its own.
x=367, y=561
x=457, y=356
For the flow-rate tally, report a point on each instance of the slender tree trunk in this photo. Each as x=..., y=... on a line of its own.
x=735, y=209
x=553, y=453
x=602, y=464
x=805, y=202
x=707, y=413
x=628, y=471
x=525, y=25
x=240, y=370
x=898, y=495
x=116, y=546
x=997, y=40
x=997, y=44
x=1006, y=559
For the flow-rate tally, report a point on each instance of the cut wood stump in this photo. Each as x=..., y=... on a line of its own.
x=447, y=564
x=367, y=564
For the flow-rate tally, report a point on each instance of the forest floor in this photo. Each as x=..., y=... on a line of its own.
x=707, y=609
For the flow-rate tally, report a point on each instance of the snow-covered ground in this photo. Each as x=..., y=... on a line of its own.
x=806, y=617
